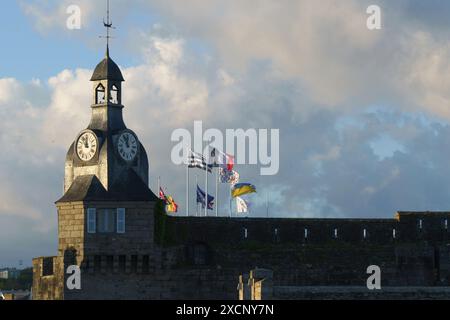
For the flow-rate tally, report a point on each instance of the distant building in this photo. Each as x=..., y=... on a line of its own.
x=16, y=295
x=10, y=273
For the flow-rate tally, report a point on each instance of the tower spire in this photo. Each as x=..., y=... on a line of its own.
x=108, y=25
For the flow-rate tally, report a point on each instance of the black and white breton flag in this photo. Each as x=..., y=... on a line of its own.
x=197, y=160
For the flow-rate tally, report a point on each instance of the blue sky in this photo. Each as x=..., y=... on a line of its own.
x=363, y=115
x=30, y=54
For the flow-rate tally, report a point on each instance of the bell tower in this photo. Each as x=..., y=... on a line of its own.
x=107, y=96
x=107, y=149
x=106, y=214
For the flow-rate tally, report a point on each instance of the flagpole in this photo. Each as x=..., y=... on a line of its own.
x=206, y=192
x=196, y=186
x=249, y=209
x=187, y=187
x=231, y=199
x=267, y=203
x=217, y=191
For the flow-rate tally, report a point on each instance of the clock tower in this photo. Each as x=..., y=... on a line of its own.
x=106, y=215
x=107, y=149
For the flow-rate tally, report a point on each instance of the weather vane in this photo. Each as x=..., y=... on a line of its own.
x=108, y=25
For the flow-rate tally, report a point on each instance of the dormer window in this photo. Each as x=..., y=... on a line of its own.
x=100, y=97
x=114, y=94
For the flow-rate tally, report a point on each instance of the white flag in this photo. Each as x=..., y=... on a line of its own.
x=227, y=176
x=241, y=205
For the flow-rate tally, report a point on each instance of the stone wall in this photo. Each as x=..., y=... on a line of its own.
x=202, y=258
x=73, y=233
x=138, y=238
x=360, y=293
x=48, y=285
x=405, y=227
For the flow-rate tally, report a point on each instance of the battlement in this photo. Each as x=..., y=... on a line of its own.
x=405, y=227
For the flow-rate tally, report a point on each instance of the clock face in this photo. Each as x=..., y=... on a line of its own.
x=127, y=146
x=86, y=146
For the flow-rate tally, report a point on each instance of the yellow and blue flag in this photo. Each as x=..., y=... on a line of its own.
x=240, y=189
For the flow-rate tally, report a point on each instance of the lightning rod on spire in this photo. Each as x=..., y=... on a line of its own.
x=108, y=25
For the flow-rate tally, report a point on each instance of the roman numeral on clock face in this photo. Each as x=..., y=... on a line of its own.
x=127, y=146
x=87, y=146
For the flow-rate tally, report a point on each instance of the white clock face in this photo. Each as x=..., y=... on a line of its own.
x=86, y=146
x=127, y=146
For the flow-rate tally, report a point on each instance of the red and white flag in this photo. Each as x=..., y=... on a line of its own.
x=162, y=195
x=222, y=160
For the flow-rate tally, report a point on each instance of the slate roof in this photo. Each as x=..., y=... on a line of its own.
x=128, y=187
x=107, y=69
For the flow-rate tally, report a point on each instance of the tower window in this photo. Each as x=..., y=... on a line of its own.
x=121, y=220
x=91, y=220
x=394, y=234
x=145, y=264
x=97, y=263
x=122, y=263
x=100, y=94
x=306, y=233
x=47, y=267
x=365, y=234
x=245, y=233
x=134, y=263
x=110, y=263
x=114, y=94
x=106, y=220
x=446, y=224
x=335, y=233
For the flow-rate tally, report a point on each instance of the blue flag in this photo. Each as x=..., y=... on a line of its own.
x=201, y=199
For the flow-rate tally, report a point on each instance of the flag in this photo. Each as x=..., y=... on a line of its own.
x=196, y=160
x=172, y=206
x=222, y=160
x=227, y=176
x=201, y=199
x=162, y=195
x=240, y=189
x=241, y=205
x=214, y=157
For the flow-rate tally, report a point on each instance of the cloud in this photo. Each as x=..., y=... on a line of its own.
x=323, y=46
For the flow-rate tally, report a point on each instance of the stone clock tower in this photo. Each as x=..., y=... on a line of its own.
x=106, y=215
x=107, y=149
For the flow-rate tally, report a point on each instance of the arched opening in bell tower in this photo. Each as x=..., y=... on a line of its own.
x=100, y=94
x=114, y=94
